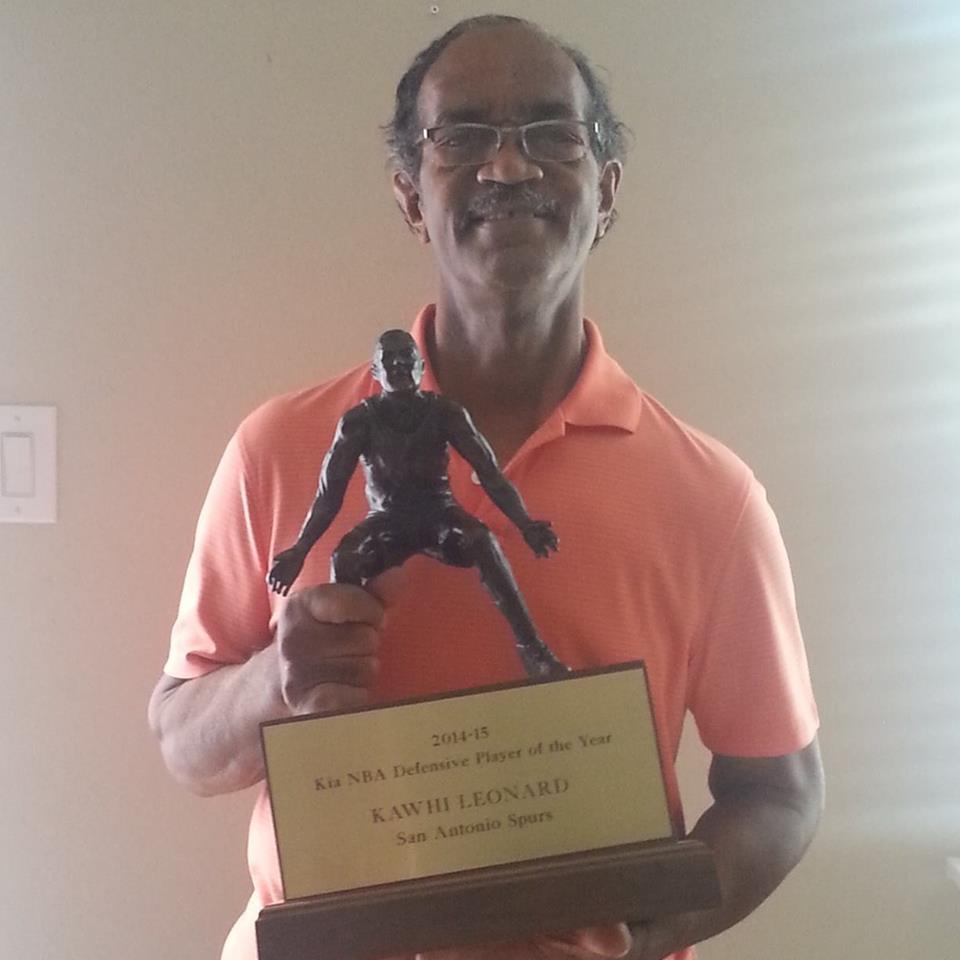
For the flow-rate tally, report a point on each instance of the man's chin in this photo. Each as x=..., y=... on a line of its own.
x=505, y=244
x=519, y=267
x=510, y=254
x=505, y=228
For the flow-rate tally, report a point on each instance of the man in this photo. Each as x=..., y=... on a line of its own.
x=403, y=437
x=507, y=164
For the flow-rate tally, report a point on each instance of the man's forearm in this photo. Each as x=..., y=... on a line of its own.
x=209, y=727
x=755, y=843
x=755, y=846
x=757, y=835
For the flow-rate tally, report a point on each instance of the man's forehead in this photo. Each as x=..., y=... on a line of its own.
x=502, y=74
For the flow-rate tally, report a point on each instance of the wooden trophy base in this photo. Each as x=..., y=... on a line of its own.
x=633, y=882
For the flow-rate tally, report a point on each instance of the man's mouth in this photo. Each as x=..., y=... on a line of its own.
x=520, y=204
x=509, y=215
x=475, y=219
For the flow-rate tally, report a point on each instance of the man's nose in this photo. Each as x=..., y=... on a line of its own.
x=510, y=164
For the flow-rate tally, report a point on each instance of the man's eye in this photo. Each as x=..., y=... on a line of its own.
x=459, y=138
x=561, y=133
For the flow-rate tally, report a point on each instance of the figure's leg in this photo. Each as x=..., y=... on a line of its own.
x=464, y=541
x=372, y=546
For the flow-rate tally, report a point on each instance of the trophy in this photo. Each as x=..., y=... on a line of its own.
x=527, y=808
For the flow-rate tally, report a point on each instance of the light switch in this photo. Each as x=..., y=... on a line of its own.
x=17, y=465
x=28, y=464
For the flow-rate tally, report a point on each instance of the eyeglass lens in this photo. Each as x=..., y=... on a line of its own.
x=468, y=143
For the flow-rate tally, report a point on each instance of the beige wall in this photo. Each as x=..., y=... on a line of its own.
x=195, y=215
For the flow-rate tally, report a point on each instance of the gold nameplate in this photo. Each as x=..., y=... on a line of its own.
x=471, y=780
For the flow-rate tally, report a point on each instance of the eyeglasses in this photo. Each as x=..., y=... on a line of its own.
x=474, y=144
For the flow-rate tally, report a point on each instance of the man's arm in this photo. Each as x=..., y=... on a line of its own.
x=338, y=466
x=764, y=815
x=208, y=727
x=473, y=447
x=324, y=659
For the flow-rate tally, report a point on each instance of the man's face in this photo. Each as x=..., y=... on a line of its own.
x=397, y=366
x=512, y=221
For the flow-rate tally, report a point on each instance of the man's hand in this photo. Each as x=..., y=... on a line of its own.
x=662, y=938
x=591, y=943
x=286, y=568
x=540, y=537
x=324, y=659
x=327, y=640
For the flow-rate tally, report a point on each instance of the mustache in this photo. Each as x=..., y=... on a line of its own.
x=501, y=200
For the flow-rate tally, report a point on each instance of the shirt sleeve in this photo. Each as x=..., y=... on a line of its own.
x=750, y=691
x=224, y=614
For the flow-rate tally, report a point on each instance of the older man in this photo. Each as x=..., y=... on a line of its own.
x=507, y=162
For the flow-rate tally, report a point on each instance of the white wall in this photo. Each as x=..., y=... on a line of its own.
x=196, y=215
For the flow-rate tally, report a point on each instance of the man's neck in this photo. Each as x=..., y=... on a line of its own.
x=507, y=362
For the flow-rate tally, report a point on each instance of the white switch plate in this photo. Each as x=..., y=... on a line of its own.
x=28, y=464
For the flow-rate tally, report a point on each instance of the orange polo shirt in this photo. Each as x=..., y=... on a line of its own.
x=669, y=553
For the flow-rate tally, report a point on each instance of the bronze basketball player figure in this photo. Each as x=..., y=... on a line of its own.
x=402, y=437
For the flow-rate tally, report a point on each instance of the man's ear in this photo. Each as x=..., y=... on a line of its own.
x=408, y=200
x=609, y=184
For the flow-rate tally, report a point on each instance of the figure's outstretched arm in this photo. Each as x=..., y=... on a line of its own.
x=467, y=440
x=338, y=466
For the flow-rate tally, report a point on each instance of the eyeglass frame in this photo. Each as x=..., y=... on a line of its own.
x=593, y=128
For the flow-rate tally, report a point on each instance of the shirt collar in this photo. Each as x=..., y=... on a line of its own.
x=603, y=395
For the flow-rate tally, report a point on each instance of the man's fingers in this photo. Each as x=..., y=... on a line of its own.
x=311, y=644
x=607, y=942
x=388, y=586
x=330, y=670
x=327, y=642
x=611, y=940
x=328, y=698
x=342, y=671
x=352, y=671
x=341, y=603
